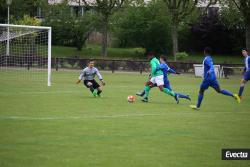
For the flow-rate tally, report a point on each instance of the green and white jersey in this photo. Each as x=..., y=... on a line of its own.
x=154, y=63
x=89, y=74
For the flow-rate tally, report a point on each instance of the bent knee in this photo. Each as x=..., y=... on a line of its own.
x=89, y=84
x=201, y=91
x=243, y=82
x=218, y=90
x=149, y=83
x=160, y=88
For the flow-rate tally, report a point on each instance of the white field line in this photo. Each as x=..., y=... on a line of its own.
x=27, y=118
x=41, y=92
x=76, y=117
x=52, y=92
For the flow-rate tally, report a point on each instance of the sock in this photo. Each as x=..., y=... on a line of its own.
x=143, y=93
x=241, y=90
x=99, y=92
x=227, y=93
x=91, y=89
x=200, y=98
x=182, y=96
x=146, y=89
x=169, y=92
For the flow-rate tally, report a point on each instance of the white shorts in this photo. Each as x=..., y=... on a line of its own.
x=158, y=80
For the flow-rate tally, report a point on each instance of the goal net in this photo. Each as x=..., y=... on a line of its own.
x=198, y=70
x=25, y=53
x=221, y=71
x=230, y=71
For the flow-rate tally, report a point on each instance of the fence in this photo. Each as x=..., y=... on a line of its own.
x=116, y=65
x=102, y=64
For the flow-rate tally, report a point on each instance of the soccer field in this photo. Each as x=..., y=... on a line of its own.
x=64, y=125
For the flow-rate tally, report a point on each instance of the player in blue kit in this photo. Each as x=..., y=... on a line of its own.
x=246, y=75
x=166, y=70
x=156, y=79
x=209, y=80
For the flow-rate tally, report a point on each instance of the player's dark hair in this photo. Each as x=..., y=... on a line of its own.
x=163, y=57
x=245, y=49
x=151, y=55
x=90, y=60
x=207, y=50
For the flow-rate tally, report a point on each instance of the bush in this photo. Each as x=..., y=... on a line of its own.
x=140, y=52
x=181, y=55
x=70, y=30
x=27, y=20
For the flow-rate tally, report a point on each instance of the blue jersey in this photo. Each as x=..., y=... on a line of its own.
x=246, y=75
x=165, y=69
x=247, y=63
x=208, y=72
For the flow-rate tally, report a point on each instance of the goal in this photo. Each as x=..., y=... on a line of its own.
x=221, y=71
x=25, y=52
x=230, y=71
x=198, y=70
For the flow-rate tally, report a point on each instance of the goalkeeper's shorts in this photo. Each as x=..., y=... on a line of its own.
x=93, y=82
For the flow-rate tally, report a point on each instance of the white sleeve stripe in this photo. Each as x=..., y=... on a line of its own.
x=247, y=67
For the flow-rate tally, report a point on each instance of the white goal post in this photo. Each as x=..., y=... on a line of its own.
x=26, y=50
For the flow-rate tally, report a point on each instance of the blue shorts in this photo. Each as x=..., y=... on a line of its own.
x=246, y=76
x=213, y=83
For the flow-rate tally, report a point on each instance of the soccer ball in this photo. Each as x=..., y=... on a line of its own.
x=131, y=99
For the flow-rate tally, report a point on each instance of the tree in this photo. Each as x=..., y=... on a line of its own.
x=211, y=31
x=179, y=10
x=19, y=8
x=69, y=29
x=144, y=26
x=231, y=17
x=3, y=11
x=105, y=8
x=244, y=7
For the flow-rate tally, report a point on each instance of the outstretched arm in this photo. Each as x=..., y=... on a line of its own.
x=82, y=74
x=170, y=70
x=100, y=77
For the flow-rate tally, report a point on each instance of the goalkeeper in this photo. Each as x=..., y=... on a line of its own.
x=87, y=75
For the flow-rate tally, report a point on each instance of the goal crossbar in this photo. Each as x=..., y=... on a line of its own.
x=25, y=26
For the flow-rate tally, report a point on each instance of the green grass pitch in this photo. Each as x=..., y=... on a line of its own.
x=64, y=125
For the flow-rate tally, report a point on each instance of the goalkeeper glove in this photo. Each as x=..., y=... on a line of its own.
x=103, y=83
